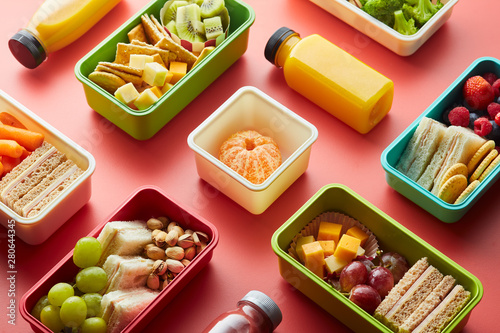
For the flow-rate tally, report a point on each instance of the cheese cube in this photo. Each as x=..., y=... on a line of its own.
x=127, y=93
x=360, y=252
x=329, y=231
x=178, y=69
x=334, y=264
x=140, y=60
x=347, y=248
x=298, y=248
x=157, y=58
x=358, y=233
x=314, y=259
x=328, y=247
x=154, y=74
x=166, y=87
x=145, y=99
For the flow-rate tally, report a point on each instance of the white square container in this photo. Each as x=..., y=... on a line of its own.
x=249, y=108
x=383, y=34
x=37, y=229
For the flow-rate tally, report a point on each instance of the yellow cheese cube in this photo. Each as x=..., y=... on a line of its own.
x=328, y=247
x=156, y=91
x=347, y=248
x=139, y=60
x=157, y=58
x=154, y=74
x=166, y=87
x=145, y=99
x=329, y=231
x=127, y=93
x=314, y=259
x=178, y=69
x=301, y=241
x=334, y=264
x=358, y=233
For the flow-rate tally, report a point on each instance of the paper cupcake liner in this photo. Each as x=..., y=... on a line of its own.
x=312, y=228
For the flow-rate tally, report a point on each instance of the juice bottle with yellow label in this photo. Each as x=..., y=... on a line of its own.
x=54, y=25
x=336, y=81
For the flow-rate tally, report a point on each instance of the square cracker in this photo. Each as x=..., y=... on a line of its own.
x=137, y=33
x=152, y=32
x=123, y=52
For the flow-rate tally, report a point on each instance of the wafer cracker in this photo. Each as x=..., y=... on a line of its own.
x=137, y=33
x=171, y=55
x=152, y=32
x=468, y=190
x=452, y=189
x=108, y=81
x=483, y=165
x=123, y=52
x=456, y=169
x=490, y=168
x=480, y=154
x=122, y=68
x=183, y=55
x=127, y=77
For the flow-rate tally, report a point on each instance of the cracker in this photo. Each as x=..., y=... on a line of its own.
x=152, y=32
x=490, y=168
x=480, y=154
x=183, y=55
x=137, y=33
x=465, y=193
x=122, y=68
x=456, y=169
x=127, y=77
x=452, y=189
x=123, y=52
x=108, y=81
x=483, y=165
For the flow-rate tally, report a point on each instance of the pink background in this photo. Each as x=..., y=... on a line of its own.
x=244, y=259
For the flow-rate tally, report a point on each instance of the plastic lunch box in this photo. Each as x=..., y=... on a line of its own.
x=249, y=108
x=390, y=156
x=391, y=236
x=36, y=230
x=145, y=202
x=144, y=124
x=383, y=34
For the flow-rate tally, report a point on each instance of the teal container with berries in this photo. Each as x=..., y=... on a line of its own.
x=411, y=189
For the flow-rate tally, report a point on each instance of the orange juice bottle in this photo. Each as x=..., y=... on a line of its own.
x=336, y=81
x=54, y=25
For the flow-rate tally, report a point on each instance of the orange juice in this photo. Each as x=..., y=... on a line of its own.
x=336, y=81
x=54, y=25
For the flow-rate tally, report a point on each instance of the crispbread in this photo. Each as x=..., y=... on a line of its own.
x=152, y=32
x=136, y=80
x=451, y=190
x=468, y=190
x=123, y=52
x=480, y=154
x=108, y=81
x=483, y=165
x=183, y=55
x=137, y=33
x=490, y=168
x=456, y=169
x=121, y=67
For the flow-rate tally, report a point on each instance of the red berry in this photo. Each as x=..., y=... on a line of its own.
x=482, y=126
x=497, y=119
x=478, y=93
x=496, y=87
x=459, y=116
x=493, y=109
x=490, y=77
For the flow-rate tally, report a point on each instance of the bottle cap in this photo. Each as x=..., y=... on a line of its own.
x=275, y=41
x=267, y=305
x=27, y=49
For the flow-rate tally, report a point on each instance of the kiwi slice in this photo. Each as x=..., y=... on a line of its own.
x=211, y=8
x=171, y=12
x=188, y=23
x=213, y=27
x=171, y=27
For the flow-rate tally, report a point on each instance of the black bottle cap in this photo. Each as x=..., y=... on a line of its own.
x=275, y=41
x=27, y=49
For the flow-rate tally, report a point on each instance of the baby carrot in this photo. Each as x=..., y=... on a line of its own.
x=8, y=119
x=26, y=138
x=10, y=148
x=9, y=163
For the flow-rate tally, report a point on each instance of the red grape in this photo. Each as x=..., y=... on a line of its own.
x=382, y=280
x=396, y=263
x=353, y=274
x=366, y=297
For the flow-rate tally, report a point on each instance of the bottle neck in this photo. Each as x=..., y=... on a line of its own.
x=285, y=49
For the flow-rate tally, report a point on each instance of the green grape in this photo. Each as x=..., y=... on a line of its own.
x=50, y=317
x=93, y=301
x=59, y=292
x=40, y=304
x=91, y=279
x=73, y=311
x=87, y=252
x=94, y=325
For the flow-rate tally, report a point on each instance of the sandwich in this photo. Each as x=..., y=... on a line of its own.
x=126, y=272
x=421, y=147
x=119, y=308
x=423, y=301
x=38, y=180
x=125, y=238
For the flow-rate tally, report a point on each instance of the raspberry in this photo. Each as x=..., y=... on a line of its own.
x=478, y=93
x=482, y=126
x=459, y=116
x=493, y=109
x=490, y=77
x=497, y=119
x=496, y=87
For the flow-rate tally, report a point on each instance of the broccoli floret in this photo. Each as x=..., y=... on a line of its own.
x=403, y=26
x=383, y=10
x=422, y=11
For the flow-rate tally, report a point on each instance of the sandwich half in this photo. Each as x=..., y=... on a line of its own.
x=126, y=272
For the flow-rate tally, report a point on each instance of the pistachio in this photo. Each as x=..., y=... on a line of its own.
x=196, y=240
x=175, y=252
x=171, y=225
x=172, y=238
x=203, y=237
x=154, y=224
x=185, y=241
x=146, y=247
x=155, y=253
x=175, y=266
x=201, y=247
x=188, y=231
x=159, y=267
x=185, y=262
x=164, y=220
x=179, y=230
x=153, y=281
x=154, y=233
x=164, y=284
x=160, y=239
x=189, y=253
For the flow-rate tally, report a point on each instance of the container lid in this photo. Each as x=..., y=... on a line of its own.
x=267, y=305
x=27, y=49
x=275, y=41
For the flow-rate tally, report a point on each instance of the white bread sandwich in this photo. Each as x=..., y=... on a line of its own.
x=126, y=272
x=421, y=148
x=38, y=180
x=119, y=308
x=125, y=238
